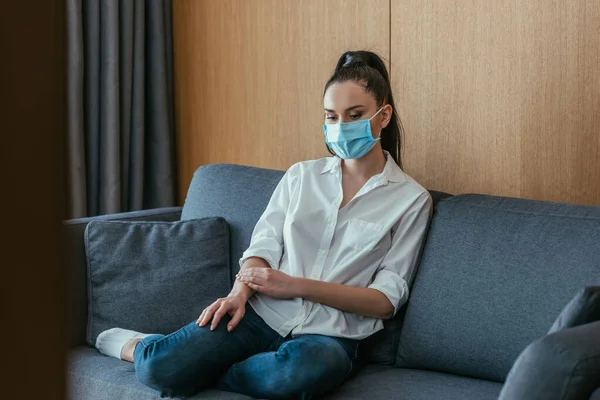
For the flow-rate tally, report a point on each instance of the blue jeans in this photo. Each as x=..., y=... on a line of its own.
x=253, y=360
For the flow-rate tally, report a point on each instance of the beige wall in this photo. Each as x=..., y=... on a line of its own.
x=249, y=75
x=496, y=97
x=501, y=97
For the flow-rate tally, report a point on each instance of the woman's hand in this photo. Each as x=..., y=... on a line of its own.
x=271, y=282
x=234, y=305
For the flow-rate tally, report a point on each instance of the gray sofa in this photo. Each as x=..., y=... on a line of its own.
x=493, y=276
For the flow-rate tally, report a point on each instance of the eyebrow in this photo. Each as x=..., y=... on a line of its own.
x=349, y=109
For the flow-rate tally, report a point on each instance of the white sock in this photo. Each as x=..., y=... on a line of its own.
x=111, y=341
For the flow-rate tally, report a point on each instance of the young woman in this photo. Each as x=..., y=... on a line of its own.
x=331, y=257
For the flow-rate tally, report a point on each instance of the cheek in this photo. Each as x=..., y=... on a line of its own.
x=375, y=128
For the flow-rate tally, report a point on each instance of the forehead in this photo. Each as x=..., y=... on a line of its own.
x=343, y=95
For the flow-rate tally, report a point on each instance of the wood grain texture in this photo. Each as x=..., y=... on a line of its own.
x=249, y=75
x=500, y=97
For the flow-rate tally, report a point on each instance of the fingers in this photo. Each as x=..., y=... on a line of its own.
x=208, y=313
x=222, y=310
x=201, y=318
x=255, y=287
x=258, y=276
x=254, y=272
x=236, y=318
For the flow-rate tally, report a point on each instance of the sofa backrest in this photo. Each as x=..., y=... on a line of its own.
x=494, y=274
x=240, y=195
x=237, y=193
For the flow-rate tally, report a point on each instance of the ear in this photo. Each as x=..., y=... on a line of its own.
x=386, y=115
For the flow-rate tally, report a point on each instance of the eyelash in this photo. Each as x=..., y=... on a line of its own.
x=355, y=116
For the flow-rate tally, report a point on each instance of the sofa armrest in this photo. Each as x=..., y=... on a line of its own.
x=563, y=365
x=76, y=263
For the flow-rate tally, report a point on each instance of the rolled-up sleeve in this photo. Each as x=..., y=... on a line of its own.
x=397, y=269
x=267, y=237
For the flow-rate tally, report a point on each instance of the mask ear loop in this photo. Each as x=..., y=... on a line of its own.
x=378, y=111
x=374, y=115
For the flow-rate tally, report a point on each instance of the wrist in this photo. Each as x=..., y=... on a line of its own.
x=242, y=290
x=300, y=288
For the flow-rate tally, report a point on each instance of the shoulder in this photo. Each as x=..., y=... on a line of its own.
x=309, y=167
x=414, y=192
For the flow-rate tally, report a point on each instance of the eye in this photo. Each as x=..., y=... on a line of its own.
x=330, y=117
x=355, y=116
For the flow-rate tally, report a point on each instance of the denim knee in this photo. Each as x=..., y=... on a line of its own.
x=160, y=374
x=304, y=369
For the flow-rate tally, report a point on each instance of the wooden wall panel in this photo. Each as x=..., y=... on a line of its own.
x=500, y=97
x=249, y=75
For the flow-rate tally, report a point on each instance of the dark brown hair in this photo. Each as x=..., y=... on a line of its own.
x=367, y=68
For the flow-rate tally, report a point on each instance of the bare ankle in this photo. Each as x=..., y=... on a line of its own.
x=128, y=349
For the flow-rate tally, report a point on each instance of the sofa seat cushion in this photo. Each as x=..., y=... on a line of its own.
x=93, y=376
x=377, y=382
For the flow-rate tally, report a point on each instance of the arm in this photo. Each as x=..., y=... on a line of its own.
x=398, y=267
x=240, y=288
x=265, y=252
x=383, y=297
x=267, y=236
x=362, y=301
x=389, y=289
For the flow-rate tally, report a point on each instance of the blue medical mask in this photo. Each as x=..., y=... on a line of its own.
x=351, y=139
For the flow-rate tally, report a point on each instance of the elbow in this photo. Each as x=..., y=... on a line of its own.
x=388, y=311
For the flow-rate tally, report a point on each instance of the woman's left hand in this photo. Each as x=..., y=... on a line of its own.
x=271, y=282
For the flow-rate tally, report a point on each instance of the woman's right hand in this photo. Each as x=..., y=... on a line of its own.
x=234, y=305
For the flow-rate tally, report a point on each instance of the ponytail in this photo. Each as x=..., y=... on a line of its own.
x=367, y=67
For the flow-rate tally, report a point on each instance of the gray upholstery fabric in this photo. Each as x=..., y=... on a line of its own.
x=494, y=275
x=154, y=277
x=378, y=382
x=93, y=376
x=562, y=366
x=76, y=264
x=582, y=309
x=596, y=395
x=240, y=194
x=381, y=347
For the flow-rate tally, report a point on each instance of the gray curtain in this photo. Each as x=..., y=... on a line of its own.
x=121, y=136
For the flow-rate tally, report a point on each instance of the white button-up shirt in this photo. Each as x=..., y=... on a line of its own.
x=373, y=241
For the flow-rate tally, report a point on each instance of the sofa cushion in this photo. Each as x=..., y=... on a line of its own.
x=583, y=308
x=236, y=193
x=378, y=382
x=240, y=194
x=564, y=365
x=381, y=347
x=154, y=277
x=494, y=274
x=93, y=376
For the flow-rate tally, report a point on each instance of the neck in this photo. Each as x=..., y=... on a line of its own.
x=369, y=165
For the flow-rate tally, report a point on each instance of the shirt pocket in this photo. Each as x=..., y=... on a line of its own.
x=362, y=235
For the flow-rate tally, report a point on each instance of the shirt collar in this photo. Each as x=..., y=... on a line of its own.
x=391, y=171
x=331, y=165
